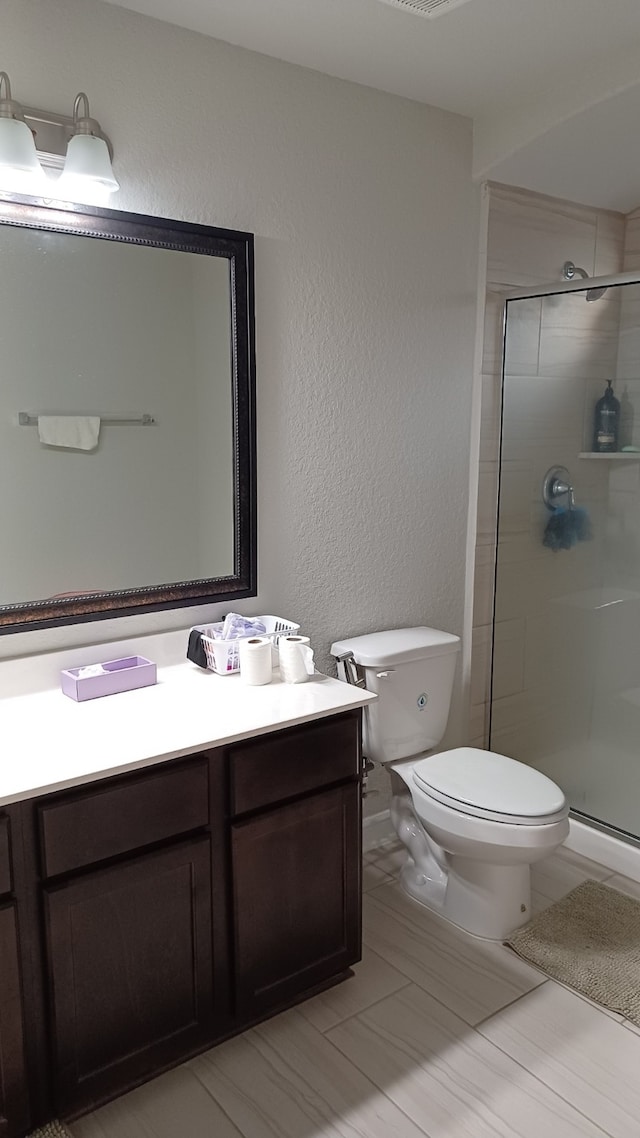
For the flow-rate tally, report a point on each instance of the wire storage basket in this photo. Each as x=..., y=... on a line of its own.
x=223, y=656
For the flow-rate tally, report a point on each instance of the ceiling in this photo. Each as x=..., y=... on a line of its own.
x=553, y=86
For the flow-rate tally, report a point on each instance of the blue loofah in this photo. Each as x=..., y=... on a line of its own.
x=566, y=527
x=582, y=524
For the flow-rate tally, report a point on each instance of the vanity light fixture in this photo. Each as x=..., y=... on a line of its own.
x=32, y=139
x=19, y=166
x=88, y=160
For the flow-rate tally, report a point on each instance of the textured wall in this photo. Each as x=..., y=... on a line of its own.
x=366, y=233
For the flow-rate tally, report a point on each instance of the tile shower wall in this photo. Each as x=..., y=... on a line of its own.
x=554, y=352
x=623, y=551
x=616, y=708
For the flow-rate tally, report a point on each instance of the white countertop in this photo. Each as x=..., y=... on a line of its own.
x=49, y=741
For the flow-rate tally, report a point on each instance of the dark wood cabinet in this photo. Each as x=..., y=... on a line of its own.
x=125, y=814
x=6, y=875
x=14, y=1099
x=300, y=760
x=296, y=888
x=130, y=956
x=14, y=1106
x=166, y=909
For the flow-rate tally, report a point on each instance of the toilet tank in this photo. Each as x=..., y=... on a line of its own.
x=411, y=671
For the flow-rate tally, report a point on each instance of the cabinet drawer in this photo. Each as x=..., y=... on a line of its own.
x=6, y=884
x=123, y=815
x=302, y=759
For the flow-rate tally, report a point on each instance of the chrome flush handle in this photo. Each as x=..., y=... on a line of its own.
x=350, y=669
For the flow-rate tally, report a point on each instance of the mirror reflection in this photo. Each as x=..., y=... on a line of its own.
x=97, y=328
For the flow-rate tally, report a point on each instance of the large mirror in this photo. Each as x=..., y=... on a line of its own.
x=127, y=414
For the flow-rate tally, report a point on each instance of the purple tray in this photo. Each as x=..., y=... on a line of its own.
x=120, y=675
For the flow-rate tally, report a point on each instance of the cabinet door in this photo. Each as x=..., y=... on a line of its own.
x=6, y=882
x=13, y=1088
x=130, y=955
x=296, y=891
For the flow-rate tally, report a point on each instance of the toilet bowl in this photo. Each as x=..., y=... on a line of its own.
x=470, y=860
x=472, y=821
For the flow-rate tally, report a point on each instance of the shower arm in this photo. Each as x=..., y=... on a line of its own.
x=569, y=271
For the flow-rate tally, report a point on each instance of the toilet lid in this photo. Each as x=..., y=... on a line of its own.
x=489, y=785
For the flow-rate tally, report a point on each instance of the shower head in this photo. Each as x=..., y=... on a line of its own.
x=569, y=271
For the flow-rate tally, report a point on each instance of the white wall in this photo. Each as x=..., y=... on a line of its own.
x=563, y=94
x=366, y=233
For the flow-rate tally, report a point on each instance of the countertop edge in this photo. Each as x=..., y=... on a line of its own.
x=35, y=784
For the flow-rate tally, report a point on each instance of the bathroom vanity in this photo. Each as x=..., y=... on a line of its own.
x=176, y=863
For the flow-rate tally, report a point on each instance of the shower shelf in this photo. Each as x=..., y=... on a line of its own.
x=613, y=456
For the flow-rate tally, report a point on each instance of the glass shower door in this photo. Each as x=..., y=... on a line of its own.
x=566, y=634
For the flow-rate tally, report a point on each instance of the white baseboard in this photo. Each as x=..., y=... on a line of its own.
x=619, y=857
x=375, y=829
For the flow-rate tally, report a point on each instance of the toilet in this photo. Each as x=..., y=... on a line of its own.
x=472, y=821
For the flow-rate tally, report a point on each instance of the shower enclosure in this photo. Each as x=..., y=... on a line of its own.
x=566, y=630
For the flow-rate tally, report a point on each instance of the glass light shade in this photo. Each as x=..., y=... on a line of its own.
x=88, y=159
x=19, y=166
x=81, y=190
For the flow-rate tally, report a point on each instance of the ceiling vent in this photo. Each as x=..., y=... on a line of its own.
x=428, y=8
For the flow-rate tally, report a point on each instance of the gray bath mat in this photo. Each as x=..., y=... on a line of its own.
x=51, y=1130
x=590, y=941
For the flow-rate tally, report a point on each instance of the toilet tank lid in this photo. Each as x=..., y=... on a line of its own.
x=397, y=646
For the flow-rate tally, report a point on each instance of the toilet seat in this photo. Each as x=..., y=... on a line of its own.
x=486, y=785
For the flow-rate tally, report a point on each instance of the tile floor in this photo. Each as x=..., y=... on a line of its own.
x=436, y=1034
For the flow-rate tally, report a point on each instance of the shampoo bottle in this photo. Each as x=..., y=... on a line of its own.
x=606, y=422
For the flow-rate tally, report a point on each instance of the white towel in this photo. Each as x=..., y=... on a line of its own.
x=80, y=432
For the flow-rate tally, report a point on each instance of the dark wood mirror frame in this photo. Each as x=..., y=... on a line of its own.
x=237, y=248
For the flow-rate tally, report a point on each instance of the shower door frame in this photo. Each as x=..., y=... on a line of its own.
x=525, y=292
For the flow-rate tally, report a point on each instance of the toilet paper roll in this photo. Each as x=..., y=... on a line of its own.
x=255, y=660
x=296, y=659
